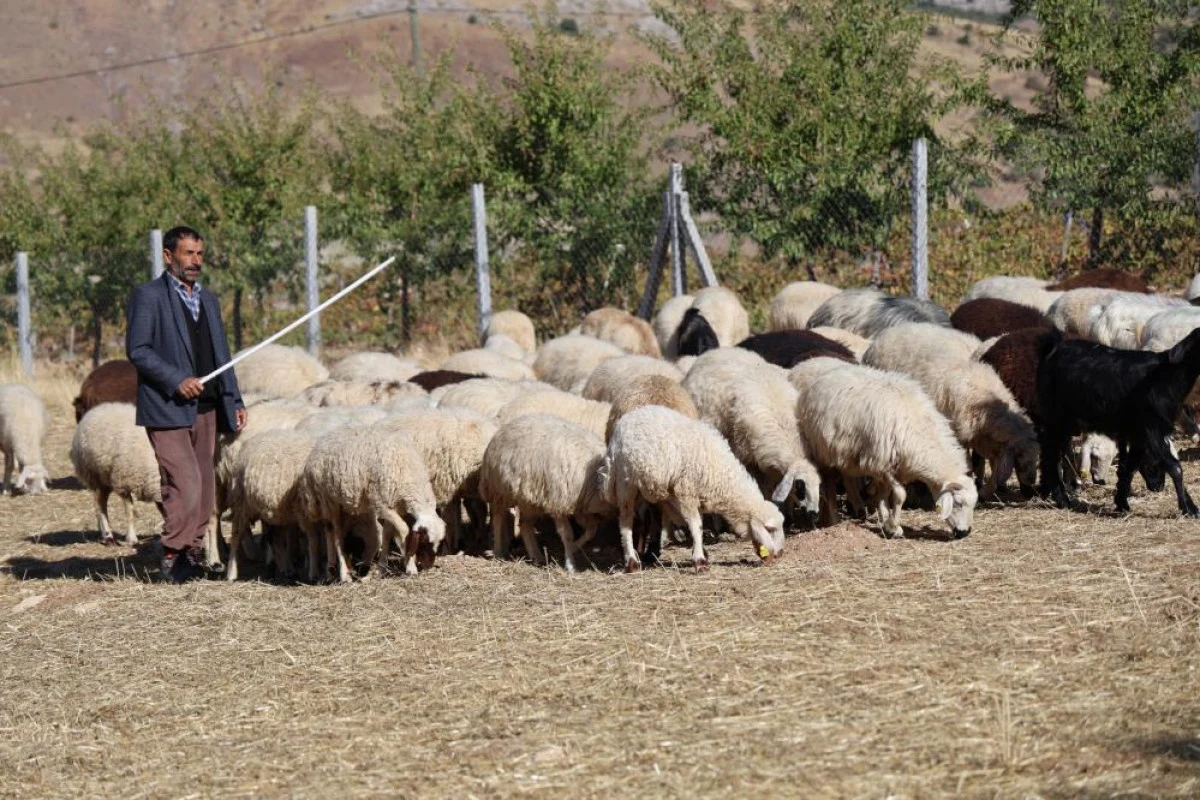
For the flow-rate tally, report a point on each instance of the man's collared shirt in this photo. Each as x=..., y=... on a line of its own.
x=190, y=299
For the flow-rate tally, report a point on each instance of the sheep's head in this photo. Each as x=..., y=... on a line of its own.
x=430, y=526
x=1026, y=453
x=766, y=530
x=956, y=504
x=32, y=480
x=806, y=482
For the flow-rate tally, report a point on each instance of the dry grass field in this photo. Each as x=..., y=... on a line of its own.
x=1050, y=653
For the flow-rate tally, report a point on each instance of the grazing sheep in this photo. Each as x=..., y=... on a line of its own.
x=1103, y=278
x=989, y=316
x=1014, y=357
x=851, y=341
x=323, y=420
x=567, y=360
x=279, y=371
x=649, y=390
x=266, y=479
x=1167, y=328
x=1117, y=321
x=695, y=336
x=1192, y=293
x=788, y=348
x=23, y=426
x=1132, y=396
x=724, y=312
x=111, y=455
x=544, y=466
x=1072, y=312
x=868, y=423
x=901, y=345
x=753, y=406
x=795, y=303
x=482, y=361
x=590, y=414
x=685, y=467
x=356, y=393
x=623, y=329
x=1032, y=292
x=1096, y=456
x=437, y=378
x=515, y=326
x=357, y=473
x=111, y=382
x=488, y=395
x=666, y=324
x=612, y=375
x=367, y=367
x=505, y=346
x=868, y=311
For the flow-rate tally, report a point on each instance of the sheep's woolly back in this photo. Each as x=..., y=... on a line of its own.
x=569, y=359
x=451, y=441
x=356, y=393
x=905, y=348
x=1117, y=320
x=111, y=382
x=867, y=312
x=109, y=451
x=515, y=326
x=23, y=424
x=656, y=454
x=851, y=341
x=724, y=312
x=1072, y=312
x=611, y=376
x=649, y=390
x=367, y=367
x=505, y=346
x=666, y=324
x=1030, y=292
x=488, y=395
x=268, y=415
x=360, y=472
x=795, y=303
x=619, y=327
x=266, y=476
x=279, y=371
x=590, y=414
x=491, y=363
x=323, y=420
x=867, y=422
x=1167, y=328
x=544, y=465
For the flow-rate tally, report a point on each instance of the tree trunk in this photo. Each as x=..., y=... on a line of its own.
x=71, y=343
x=405, y=310
x=237, y=319
x=1094, y=238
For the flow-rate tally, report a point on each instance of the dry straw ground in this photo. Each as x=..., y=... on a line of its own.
x=1050, y=653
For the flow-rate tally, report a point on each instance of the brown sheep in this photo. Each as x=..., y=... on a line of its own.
x=437, y=378
x=1103, y=278
x=111, y=382
x=990, y=316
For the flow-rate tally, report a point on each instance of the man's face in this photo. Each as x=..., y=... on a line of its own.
x=187, y=260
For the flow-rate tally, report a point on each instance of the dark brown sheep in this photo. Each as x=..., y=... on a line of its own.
x=111, y=382
x=437, y=378
x=990, y=316
x=788, y=348
x=1103, y=278
x=1014, y=356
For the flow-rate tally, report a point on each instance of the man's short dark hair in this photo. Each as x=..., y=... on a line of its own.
x=171, y=238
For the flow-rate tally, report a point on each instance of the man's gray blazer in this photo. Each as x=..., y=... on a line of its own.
x=158, y=343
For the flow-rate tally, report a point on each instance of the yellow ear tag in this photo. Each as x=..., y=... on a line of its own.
x=763, y=552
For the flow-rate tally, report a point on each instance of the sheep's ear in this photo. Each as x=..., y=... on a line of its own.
x=783, y=489
x=945, y=504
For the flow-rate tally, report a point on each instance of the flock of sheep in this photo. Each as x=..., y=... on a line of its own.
x=653, y=427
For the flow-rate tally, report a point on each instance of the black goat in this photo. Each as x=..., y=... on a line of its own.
x=1132, y=396
x=695, y=335
x=788, y=348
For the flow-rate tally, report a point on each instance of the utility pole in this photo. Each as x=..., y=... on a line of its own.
x=416, y=41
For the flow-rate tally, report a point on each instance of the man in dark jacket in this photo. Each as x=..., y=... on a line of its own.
x=174, y=335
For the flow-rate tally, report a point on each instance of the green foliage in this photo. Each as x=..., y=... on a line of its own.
x=807, y=115
x=1112, y=130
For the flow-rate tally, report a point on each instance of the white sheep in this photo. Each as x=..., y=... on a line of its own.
x=570, y=359
x=111, y=455
x=590, y=414
x=373, y=366
x=631, y=334
x=1072, y=312
x=279, y=371
x=866, y=312
x=1030, y=292
x=610, y=376
x=515, y=326
x=685, y=467
x=1117, y=321
x=357, y=473
x=666, y=324
x=487, y=395
x=505, y=346
x=1167, y=328
x=491, y=363
x=23, y=426
x=795, y=303
x=981, y=409
x=359, y=393
x=323, y=420
x=851, y=341
x=1096, y=456
x=868, y=423
x=753, y=406
x=544, y=466
x=723, y=311
x=649, y=390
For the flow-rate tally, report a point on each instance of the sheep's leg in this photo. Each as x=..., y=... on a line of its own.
x=452, y=514
x=1055, y=443
x=213, y=538
x=501, y=532
x=854, y=496
x=312, y=535
x=529, y=539
x=334, y=539
x=106, y=534
x=633, y=562
x=372, y=546
x=829, y=510
x=691, y=516
x=239, y=528
x=891, y=501
x=400, y=532
x=978, y=469
x=1127, y=458
x=10, y=462
x=563, y=526
x=1160, y=451
x=131, y=538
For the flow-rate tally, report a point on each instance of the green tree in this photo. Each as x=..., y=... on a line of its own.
x=807, y=112
x=1112, y=131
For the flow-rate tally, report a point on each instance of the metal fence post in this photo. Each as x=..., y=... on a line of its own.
x=24, y=323
x=483, y=280
x=678, y=278
x=920, y=221
x=310, y=264
x=156, y=254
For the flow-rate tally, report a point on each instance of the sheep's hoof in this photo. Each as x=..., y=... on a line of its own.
x=701, y=564
x=633, y=565
x=108, y=541
x=131, y=542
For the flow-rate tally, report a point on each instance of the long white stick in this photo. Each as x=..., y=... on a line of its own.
x=375, y=271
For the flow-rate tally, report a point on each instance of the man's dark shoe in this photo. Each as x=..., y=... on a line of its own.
x=177, y=568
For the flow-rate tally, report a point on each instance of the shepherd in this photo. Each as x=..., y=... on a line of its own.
x=174, y=334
